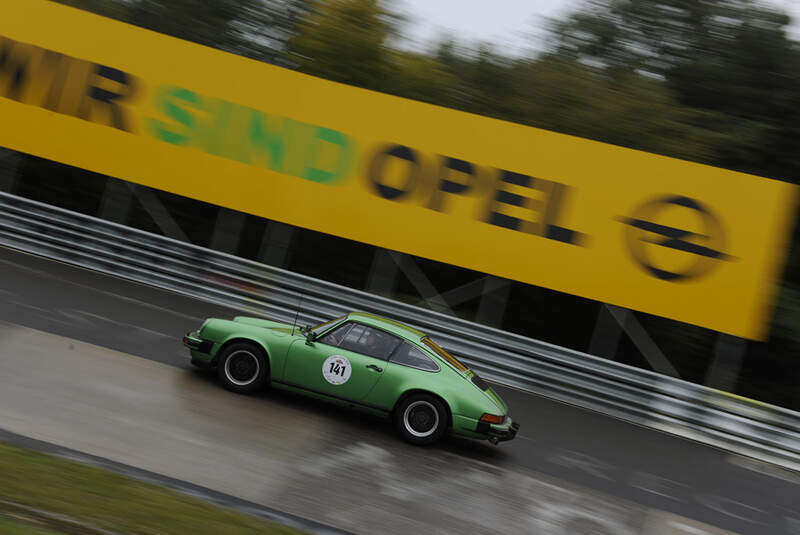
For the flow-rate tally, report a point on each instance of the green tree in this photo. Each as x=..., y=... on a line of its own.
x=347, y=41
x=422, y=77
x=630, y=110
x=656, y=35
x=730, y=59
x=254, y=28
x=107, y=8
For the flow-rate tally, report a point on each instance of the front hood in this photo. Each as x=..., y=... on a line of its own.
x=266, y=324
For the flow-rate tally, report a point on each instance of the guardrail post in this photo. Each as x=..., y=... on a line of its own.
x=643, y=342
x=274, y=250
x=382, y=274
x=227, y=231
x=494, y=298
x=418, y=279
x=723, y=374
x=158, y=212
x=9, y=164
x=115, y=205
x=606, y=335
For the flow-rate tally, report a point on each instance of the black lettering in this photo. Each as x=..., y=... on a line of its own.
x=15, y=60
x=99, y=97
x=505, y=197
x=378, y=165
x=59, y=65
x=449, y=186
x=550, y=207
x=552, y=211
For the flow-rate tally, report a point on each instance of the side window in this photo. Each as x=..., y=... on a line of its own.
x=335, y=337
x=408, y=355
x=369, y=341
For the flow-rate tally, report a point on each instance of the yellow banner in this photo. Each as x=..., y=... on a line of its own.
x=681, y=240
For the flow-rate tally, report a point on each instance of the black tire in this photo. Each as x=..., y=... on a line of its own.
x=421, y=419
x=243, y=368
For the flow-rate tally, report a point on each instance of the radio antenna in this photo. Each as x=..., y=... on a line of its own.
x=297, y=313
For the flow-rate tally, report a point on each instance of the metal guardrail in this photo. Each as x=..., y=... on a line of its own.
x=761, y=431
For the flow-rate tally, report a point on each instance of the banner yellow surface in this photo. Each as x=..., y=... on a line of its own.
x=689, y=242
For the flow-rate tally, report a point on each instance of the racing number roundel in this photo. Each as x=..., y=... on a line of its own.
x=336, y=369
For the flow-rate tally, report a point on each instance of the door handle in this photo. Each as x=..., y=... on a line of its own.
x=373, y=367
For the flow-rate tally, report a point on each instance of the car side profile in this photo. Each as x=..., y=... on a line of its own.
x=359, y=360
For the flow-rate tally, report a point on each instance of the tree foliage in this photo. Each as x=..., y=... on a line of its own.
x=257, y=29
x=347, y=41
x=730, y=59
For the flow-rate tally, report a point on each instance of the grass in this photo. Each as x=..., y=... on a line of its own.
x=100, y=500
x=9, y=526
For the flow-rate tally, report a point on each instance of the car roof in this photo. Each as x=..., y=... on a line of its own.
x=394, y=327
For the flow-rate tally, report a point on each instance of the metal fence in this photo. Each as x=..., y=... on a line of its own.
x=764, y=432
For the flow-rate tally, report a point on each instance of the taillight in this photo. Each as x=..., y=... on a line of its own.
x=492, y=418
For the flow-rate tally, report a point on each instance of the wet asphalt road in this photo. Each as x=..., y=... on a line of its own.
x=569, y=471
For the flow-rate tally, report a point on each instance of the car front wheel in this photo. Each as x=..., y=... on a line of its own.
x=242, y=368
x=421, y=419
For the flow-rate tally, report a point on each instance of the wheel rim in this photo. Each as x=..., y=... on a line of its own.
x=242, y=367
x=421, y=419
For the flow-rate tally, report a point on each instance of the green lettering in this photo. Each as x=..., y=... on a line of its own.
x=264, y=139
x=171, y=101
x=214, y=130
x=344, y=161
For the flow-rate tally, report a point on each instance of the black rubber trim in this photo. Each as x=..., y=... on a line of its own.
x=503, y=436
x=203, y=346
x=486, y=429
x=340, y=398
x=480, y=383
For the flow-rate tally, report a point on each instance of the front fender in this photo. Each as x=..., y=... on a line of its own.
x=275, y=344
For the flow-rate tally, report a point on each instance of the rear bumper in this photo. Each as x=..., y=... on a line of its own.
x=502, y=435
x=498, y=433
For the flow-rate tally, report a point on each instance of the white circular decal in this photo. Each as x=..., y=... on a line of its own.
x=336, y=369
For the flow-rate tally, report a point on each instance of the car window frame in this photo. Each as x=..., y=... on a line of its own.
x=421, y=350
x=345, y=324
x=334, y=323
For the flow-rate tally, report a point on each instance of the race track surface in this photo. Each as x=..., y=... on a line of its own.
x=95, y=364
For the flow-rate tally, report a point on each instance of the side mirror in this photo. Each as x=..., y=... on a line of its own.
x=311, y=337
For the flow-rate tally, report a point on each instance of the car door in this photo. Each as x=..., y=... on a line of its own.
x=345, y=363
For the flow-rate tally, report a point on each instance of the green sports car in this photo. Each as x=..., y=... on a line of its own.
x=359, y=360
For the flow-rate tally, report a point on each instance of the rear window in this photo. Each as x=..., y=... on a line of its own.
x=408, y=355
x=444, y=354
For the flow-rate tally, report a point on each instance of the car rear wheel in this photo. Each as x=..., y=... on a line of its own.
x=242, y=368
x=421, y=419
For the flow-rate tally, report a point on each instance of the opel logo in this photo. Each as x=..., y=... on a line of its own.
x=698, y=251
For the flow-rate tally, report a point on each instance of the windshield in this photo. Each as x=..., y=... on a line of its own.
x=444, y=354
x=322, y=327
